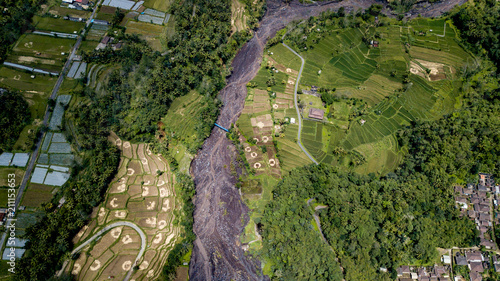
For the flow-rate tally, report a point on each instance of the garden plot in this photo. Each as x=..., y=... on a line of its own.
x=154, y=16
x=97, y=31
x=20, y=159
x=58, y=113
x=39, y=174
x=122, y=4
x=50, y=175
x=73, y=69
x=141, y=195
x=14, y=159
x=63, y=147
x=5, y=158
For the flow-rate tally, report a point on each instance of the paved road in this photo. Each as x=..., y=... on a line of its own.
x=296, y=105
x=36, y=151
x=102, y=231
x=31, y=164
x=316, y=218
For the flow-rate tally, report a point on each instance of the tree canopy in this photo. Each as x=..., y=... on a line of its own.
x=14, y=115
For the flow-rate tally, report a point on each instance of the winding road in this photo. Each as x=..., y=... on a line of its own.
x=101, y=232
x=299, y=142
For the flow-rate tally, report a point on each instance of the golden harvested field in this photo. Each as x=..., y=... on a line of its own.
x=140, y=195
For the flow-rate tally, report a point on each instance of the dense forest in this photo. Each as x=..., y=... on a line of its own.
x=369, y=223
x=479, y=23
x=14, y=20
x=14, y=115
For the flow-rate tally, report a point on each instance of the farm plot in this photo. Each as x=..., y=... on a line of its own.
x=424, y=54
x=6, y=158
x=183, y=108
x=58, y=113
x=97, y=31
x=57, y=24
x=50, y=175
x=4, y=176
x=22, y=81
x=122, y=4
x=14, y=159
x=25, y=219
x=141, y=195
x=160, y=5
x=77, y=70
x=284, y=57
x=40, y=51
x=37, y=194
x=61, y=11
x=56, y=152
x=270, y=77
x=147, y=31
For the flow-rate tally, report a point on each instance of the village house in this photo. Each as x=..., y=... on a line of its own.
x=479, y=208
x=101, y=22
x=476, y=266
x=475, y=276
x=403, y=270
x=460, y=260
x=434, y=273
x=462, y=202
x=316, y=113
x=474, y=256
x=486, y=179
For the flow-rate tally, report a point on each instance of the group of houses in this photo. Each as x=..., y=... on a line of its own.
x=477, y=263
x=430, y=273
x=475, y=201
x=109, y=41
x=77, y=4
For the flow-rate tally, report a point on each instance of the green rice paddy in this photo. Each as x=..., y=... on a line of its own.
x=341, y=59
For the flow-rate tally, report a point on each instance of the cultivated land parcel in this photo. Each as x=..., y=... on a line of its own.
x=408, y=74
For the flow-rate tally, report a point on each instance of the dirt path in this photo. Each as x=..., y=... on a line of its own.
x=220, y=214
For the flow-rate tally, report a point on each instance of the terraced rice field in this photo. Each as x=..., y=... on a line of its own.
x=277, y=109
x=425, y=52
x=179, y=120
x=141, y=195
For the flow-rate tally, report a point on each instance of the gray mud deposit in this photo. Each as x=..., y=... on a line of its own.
x=220, y=214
